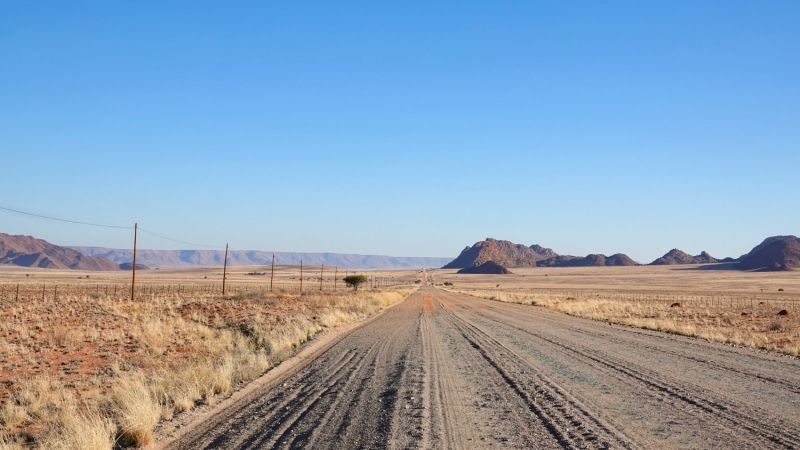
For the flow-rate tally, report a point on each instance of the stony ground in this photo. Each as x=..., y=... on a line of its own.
x=443, y=370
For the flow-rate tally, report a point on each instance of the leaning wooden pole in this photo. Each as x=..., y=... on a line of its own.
x=272, y=275
x=225, y=269
x=335, y=274
x=133, y=279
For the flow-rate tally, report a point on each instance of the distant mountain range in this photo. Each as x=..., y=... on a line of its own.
x=177, y=259
x=773, y=254
x=776, y=253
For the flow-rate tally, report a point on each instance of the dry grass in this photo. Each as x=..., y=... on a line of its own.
x=94, y=372
x=719, y=320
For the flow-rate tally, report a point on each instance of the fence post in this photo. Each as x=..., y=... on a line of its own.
x=225, y=269
x=272, y=275
x=133, y=279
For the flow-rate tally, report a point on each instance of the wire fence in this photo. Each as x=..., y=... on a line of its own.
x=780, y=300
x=144, y=291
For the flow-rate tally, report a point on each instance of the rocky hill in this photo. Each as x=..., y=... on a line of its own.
x=27, y=251
x=176, y=259
x=489, y=267
x=767, y=242
x=675, y=256
x=593, y=260
x=778, y=255
x=504, y=253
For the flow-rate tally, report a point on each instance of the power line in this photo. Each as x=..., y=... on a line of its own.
x=106, y=226
x=65, y=220
x=181, y=242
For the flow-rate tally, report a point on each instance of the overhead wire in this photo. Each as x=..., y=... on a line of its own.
x=64, y=220
x=107, y=226
x=181, y=242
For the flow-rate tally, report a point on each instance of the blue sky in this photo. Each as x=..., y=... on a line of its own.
x=409, y=129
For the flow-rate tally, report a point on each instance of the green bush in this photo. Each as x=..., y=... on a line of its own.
x=355, y=281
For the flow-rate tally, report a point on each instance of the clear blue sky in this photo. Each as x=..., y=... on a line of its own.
x=409, y=129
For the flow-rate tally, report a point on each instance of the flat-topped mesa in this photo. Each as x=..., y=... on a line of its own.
x=677, y=257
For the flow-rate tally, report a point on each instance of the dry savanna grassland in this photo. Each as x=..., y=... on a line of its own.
x=84, y=367
x=728, y=306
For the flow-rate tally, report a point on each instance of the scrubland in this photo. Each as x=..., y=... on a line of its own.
x=97, y=372
x=733, y=319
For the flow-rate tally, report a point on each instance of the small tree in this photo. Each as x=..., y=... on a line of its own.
x=355, y=281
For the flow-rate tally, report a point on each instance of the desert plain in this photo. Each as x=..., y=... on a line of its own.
x=591, y=357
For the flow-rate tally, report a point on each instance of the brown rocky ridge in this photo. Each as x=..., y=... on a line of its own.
x=504, y=253
x=509, y=254
x=778, y=255
x=618, y=259
x=489, y=267
x=27, y=251
x=675, y=257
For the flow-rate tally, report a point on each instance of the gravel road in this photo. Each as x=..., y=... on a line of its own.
x=447, y=371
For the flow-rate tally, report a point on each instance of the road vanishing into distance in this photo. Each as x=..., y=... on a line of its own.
x=446, y=371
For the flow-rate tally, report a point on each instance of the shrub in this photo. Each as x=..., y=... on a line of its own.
x=776, y=326
x=355, y=281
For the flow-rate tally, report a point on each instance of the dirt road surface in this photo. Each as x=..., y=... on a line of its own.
x=445, y=371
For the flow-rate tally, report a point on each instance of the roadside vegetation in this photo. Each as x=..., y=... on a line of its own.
x=94, y=373
x=734, y=320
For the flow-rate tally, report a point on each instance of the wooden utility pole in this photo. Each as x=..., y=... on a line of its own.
x=225, y=269
x=335, y=274
x=17, y=299
x=272, y=275
x=133, y=280
x=301, y=275
x=321, y=272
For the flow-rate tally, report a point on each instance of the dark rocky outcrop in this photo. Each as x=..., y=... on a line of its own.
x=593, y=260
x=489, y=267
x=675, y=257
x=504, y=253
x=778, y=255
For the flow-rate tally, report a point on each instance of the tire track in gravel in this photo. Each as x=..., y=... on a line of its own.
x=441, y=371
x=765, y=430
x=565, y=417
x=718, y=364
x=737, y=415
x=781, y=434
